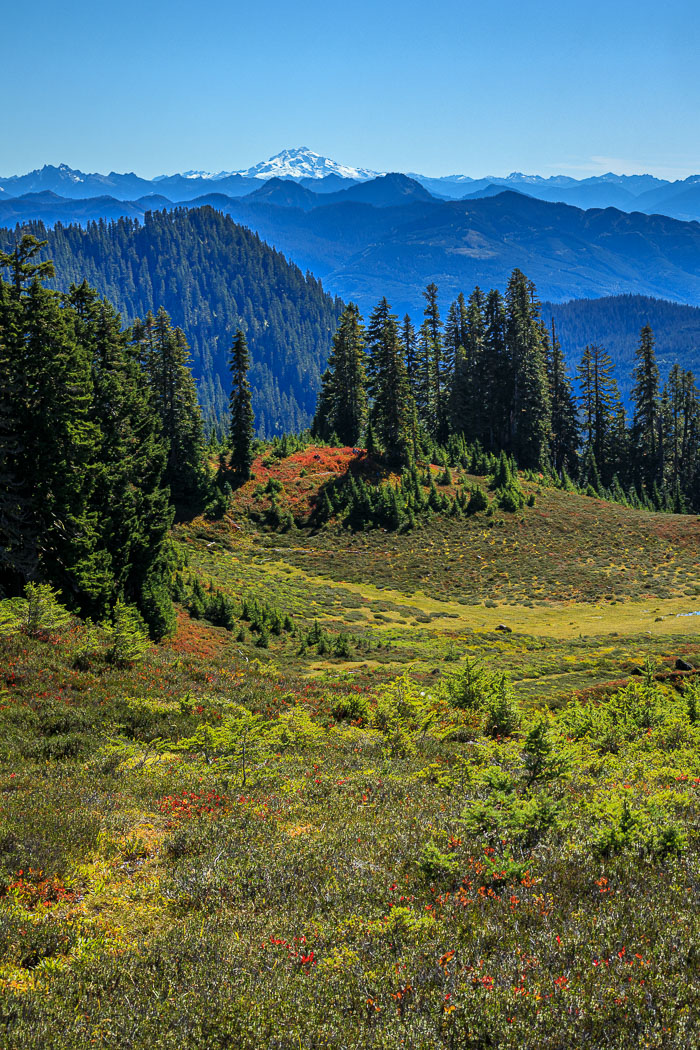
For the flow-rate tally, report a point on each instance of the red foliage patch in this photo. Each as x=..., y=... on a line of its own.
x=36, y=890
x=195, y=638
x=179, y=808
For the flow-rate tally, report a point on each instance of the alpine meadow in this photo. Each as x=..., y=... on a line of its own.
x=350, y=530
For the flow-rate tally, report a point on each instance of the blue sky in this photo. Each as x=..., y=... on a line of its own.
x=436, y=87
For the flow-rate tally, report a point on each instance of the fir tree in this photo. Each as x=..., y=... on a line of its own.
x=165, y=357
x=130, y=497
x=409, y=345
x=530, y=411
x=645, y=397
x=498, y=374
x=342, y=406
x=598, y=400
x=438, y=366
x=241, y=408
x=392, y=411
x=564, y=435
x=56, y=459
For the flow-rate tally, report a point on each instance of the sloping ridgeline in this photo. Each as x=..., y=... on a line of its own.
x=212, y=276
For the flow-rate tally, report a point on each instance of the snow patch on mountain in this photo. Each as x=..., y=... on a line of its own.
x=303, y=163
x=68, y=173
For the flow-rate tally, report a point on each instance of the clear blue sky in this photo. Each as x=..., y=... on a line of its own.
x=437, y=87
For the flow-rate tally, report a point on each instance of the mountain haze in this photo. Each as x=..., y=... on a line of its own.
x=646, y=193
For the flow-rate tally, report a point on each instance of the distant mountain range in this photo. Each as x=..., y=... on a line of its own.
x=390, y=236
x=645, y=193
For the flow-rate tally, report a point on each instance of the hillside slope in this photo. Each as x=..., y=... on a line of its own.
x=414, y=792
x=615, y=323
x=212, y=276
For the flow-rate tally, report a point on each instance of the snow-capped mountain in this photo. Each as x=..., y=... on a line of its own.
x=303, y=163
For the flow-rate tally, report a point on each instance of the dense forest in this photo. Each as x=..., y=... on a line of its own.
x=615, y=322
x=212, y=277
x=493, y=376
x=101, y=443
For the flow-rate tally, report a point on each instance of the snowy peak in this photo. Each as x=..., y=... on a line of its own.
x=303, y=163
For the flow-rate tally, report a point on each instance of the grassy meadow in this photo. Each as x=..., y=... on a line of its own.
x=428, y=789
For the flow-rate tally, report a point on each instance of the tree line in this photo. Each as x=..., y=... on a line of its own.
x=213, y=276
x=101, y=444
x=494, y=375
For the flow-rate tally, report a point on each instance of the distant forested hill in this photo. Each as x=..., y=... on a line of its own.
x=615, y=323
x=212, y=276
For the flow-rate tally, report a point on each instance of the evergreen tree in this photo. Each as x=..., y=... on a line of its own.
x=409, y=345
x=55, y=457
x=83, y=452
x=598, y=400
x=681, y=432
x=130, y=497
x=342, y=407
x=241, y=407
x=422, y=383
x=165, y=357
x=645, y=397
x=497, y=372
x=438, y=366
x=564, y=437
x=530, y=411
x=321, y=424
x=393, y=410
x=18, y=550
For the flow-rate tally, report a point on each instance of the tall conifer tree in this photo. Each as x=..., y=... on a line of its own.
x=564, y=436
x=438, y=366
x=530, y=419
x=393, y=410
x=166, y=359
x=130, y=498
x=241, y=405
x=645, y=397
x=342, y=407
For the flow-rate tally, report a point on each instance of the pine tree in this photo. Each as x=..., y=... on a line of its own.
x=564, y=437
x=530, y=411
x=130, y=498
x=422, y=383
x=166, y=359
x=438, y=366
x=497, y=373
x=598, y=400
x=465, y=345
x=342, y=407
x=241, y=406
x=18, y=553
x=392, y=411
x=645, y=397
x=56, y=460
x=409, y=345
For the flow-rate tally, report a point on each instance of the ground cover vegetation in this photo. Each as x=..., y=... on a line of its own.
x=411, y=755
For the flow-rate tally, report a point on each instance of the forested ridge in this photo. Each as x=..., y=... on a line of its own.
x=213, y=277
x=615, y=321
